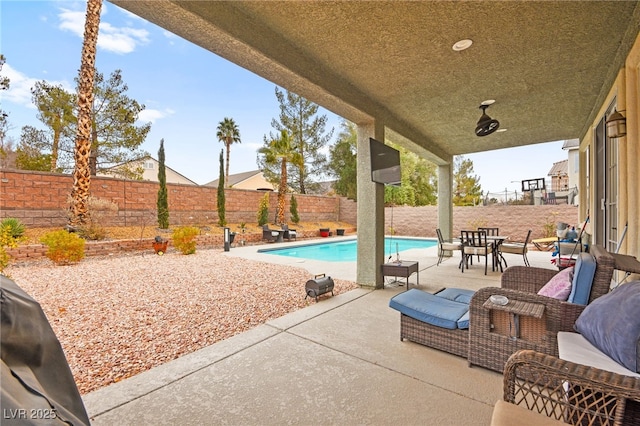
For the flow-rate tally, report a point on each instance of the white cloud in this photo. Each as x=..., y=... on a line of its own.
x=19, y=87
x=114, y=39
x=152, y=115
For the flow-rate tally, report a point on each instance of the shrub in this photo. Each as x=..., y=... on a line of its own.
x=263, y=210
x=293, y=209
x=7, y=239
x=184, y=239
x=63, y=247
x=15, y=228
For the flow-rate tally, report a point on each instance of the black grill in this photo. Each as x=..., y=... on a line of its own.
x=319, y=285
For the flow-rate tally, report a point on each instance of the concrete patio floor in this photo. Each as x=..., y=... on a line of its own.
x=339, y=361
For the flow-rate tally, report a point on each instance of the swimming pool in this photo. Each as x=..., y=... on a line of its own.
x=345, y=250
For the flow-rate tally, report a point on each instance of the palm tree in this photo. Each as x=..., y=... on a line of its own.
x=228, y=133
x=281, y=150
x=82, y=173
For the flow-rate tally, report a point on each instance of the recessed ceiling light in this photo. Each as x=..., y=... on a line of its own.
x=488, y=102
x=462, y=45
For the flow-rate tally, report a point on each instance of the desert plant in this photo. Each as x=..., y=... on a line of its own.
x=549, y=226
x=222, y=221
x=14, y=227
x=63, y=247
x=263, y=210
x=293, y=209
x=184, y=239
x=162, y=202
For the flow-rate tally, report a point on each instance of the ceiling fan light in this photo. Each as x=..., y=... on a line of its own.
x=486, y=125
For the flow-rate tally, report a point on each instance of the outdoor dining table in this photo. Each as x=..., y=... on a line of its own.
x=496, y=241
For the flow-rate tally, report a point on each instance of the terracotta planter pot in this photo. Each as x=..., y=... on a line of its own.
x=160, y=247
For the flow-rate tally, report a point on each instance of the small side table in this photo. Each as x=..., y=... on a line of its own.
x=404, y=268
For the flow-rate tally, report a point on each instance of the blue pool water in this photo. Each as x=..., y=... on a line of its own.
x=345, y=250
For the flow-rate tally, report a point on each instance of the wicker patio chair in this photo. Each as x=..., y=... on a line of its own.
x=529, y=321
x=289, y=233
x=572, y=393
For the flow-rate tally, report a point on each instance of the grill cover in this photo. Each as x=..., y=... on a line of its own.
x=37, y=383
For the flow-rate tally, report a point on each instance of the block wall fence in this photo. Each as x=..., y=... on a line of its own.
x=40, y=200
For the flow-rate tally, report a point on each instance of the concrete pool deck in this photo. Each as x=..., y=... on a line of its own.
x=338, y=361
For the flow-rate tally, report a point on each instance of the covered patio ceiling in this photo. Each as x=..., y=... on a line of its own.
x=547, y=64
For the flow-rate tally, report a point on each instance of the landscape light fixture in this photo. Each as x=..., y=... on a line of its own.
x=486, y=125
x=616, y=125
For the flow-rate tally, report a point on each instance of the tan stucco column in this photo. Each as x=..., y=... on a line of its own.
x=370, y=212
x=445, y=199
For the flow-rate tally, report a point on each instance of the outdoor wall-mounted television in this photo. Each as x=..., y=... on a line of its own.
x=385, y=163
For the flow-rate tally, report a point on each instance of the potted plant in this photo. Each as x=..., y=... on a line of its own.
x=160, y=245
x=325, y=232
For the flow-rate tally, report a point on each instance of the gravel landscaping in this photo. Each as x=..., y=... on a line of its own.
x=118, y=316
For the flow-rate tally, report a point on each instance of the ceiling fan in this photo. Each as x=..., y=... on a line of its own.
x=486, y=125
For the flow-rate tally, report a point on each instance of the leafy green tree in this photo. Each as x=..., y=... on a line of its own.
x=115, y=137
x=421, y=176
x=55, y=109
x=31, y=153
x=222, y=221
x=228, y=133
x=343, y=161
x=466, y=186
x=298, y=117
x=282, y=152
x=163, y=202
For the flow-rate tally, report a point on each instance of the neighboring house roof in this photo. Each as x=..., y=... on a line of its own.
x=559, y=168
x=149, y=171
x=253, y=179
x=571, y=144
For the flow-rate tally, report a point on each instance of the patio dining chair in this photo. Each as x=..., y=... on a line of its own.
x=515, y=247
x=490, y=231
x=446, y=245
x=474, y=243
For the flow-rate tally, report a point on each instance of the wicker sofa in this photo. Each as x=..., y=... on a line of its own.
x=488, y=342
x=562, y=390
x=491, y=336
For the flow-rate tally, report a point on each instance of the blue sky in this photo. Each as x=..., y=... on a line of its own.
x=187, y=90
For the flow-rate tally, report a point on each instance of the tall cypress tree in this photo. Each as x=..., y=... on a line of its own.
x=163, y=202
x=222, y=221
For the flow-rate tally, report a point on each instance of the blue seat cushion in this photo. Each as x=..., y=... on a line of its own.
x=429, y=308
x=583, y=273
x=460, y=295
